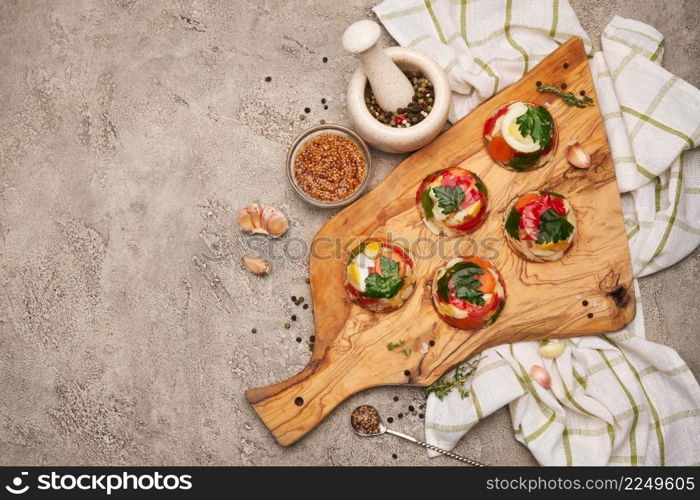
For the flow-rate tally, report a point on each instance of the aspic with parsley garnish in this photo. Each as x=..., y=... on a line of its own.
x=452, y=201
x=521, y=136
x=540, y=226
x=379, y=275
x=468, y=292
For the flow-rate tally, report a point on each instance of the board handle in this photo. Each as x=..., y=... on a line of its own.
x=292, y=408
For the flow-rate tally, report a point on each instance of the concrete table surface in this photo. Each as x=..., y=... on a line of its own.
x=131, y=132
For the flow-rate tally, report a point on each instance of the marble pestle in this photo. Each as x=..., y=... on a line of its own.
x=391, y=87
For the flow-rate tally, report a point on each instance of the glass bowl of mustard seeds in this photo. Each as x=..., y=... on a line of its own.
x=329, y=166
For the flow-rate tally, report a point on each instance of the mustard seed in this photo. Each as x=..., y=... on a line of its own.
x=330, y=167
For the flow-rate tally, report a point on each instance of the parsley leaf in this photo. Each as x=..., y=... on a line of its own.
x=427, y=203
x=467, y=285
x=384, y=287
x=480, y=185
x=463, y=275
x=513, y=223
x=389, y=266
x=553, y=227
x=537, y=123
x=524, y=162
x=449, y=198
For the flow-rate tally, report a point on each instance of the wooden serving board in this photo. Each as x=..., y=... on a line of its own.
x=544, y=300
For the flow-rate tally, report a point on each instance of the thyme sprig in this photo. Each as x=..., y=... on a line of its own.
x=568, y=97
x=460, y=377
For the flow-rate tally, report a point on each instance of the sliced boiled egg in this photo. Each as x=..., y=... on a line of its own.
x=511, y=130
x=372, y=249
x=474, y=209
x=354, y=274
x=358, y=270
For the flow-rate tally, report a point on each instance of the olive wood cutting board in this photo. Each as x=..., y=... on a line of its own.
x=588, y=292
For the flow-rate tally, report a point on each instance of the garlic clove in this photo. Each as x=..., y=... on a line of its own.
x=541, y=376
x=249, y=218
x=577, y=156
x=263, y=219
x=274, y=221
x=256, y=265
x=551, y=350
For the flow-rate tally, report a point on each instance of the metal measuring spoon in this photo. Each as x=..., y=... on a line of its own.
x=373, y=425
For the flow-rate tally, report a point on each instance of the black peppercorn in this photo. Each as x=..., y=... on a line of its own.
x=583, y=92
x=294, y=298
x=394, y=456
x=312, y=338
x=325, y=59
x=566, y=65
x=538, y=83
x=306, y=306
x=411, y=408
x=421, y=415
x=323, y=100
x=325, y=107
x=298, y=339
x=590, y=315
x=294, y=317
x=431, y=343
x=307, y=110
x=585, y=303
x=268, y=78
x=563, y=86
x=254, y=330
x=390, y=419
x=400, y=415
x=407, y=373
x=396, y=398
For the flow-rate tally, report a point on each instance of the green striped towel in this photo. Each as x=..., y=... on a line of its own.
x=617, y=398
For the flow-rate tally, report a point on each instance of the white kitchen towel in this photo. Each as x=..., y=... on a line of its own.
x=616, y=398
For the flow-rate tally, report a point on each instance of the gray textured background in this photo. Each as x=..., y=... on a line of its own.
x=131, y=132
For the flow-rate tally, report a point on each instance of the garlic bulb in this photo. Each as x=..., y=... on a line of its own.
x=256, y=265
x=541, y=376
x=551, y=350
x=577, y=156
x=263, y=219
